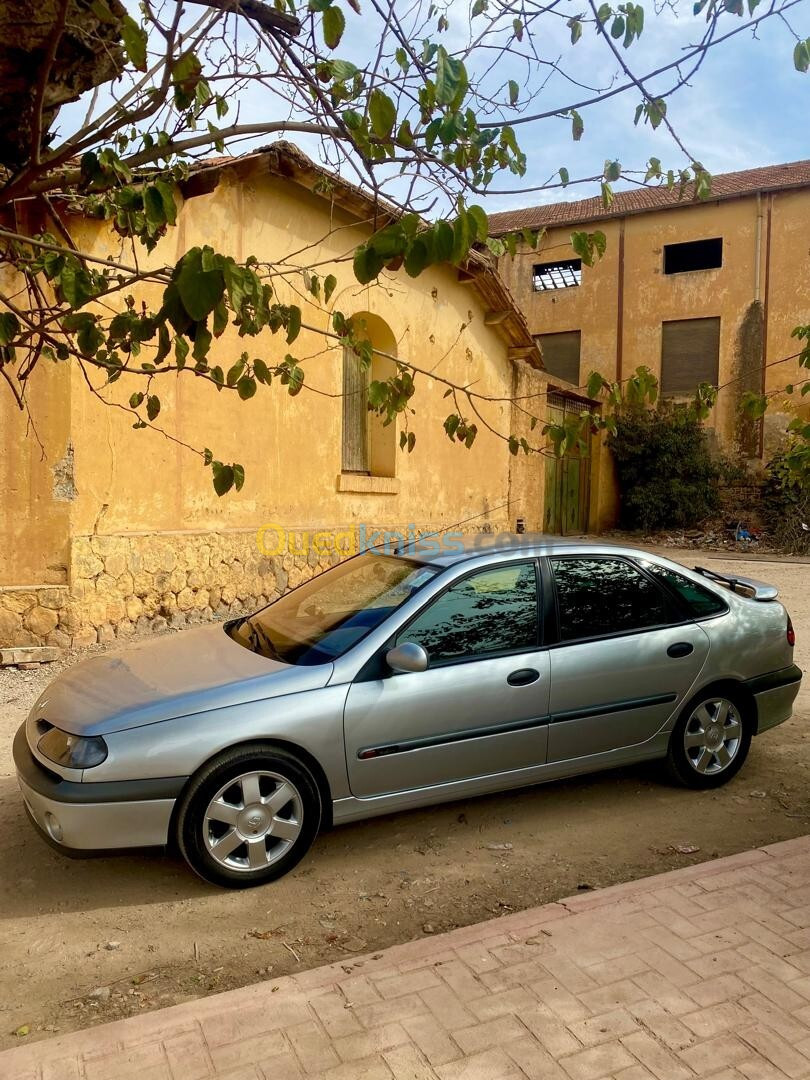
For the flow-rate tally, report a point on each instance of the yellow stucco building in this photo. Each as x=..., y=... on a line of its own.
x=696, y=291
x=106, y=531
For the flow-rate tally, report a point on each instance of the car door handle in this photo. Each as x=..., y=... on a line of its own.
x=523, y=676
x=680, y=648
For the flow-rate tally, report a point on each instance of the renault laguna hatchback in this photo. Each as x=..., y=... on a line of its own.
x=399, y=680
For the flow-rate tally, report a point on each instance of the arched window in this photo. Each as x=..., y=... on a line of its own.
x=368, y=444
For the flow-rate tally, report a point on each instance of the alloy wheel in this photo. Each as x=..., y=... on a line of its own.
x=253, y=821
x=712, y=736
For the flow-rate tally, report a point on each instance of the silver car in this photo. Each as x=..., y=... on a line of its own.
x=396, y=680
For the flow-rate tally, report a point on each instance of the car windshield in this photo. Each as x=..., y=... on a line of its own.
x=325, y=617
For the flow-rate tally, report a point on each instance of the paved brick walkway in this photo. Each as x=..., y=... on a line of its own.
x=702, y=972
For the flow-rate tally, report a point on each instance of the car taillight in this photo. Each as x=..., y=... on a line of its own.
x=791, y=633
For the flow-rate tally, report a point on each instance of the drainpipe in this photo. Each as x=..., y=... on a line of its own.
x=758, y=247
x=620, y=305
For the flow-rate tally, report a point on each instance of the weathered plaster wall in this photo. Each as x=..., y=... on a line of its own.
x=146, y=539
x=756, y=305
x=36, y=493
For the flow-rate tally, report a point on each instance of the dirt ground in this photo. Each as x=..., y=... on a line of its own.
x=87, y=941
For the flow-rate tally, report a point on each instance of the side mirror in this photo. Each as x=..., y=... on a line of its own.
x=407, y=657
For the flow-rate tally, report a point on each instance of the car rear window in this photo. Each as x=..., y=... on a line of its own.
x=701, y=601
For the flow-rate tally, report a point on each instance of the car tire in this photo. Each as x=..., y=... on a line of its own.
x=249, y=816
x=710, y=741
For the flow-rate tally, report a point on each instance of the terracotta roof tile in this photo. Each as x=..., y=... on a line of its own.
x=642, y=200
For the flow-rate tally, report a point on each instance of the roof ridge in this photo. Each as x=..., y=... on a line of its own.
x=730, y=185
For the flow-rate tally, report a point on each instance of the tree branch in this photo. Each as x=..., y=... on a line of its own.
x=276, y=22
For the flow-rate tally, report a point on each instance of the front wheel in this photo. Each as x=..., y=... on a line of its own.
x=710, y=741
x=249, y=817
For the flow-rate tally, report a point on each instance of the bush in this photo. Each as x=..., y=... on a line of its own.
x=786, y=503
x=666, y=476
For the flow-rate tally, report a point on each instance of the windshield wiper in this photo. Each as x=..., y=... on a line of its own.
x=259, y=640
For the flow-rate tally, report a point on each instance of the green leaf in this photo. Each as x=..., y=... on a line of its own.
x=801, y=56
x=134, y=39
x=167, y=195
x=262, y=372
x=200, y=290
x=180, y=351
x=152, y=406
x=617, y=27
x=246, y=387
x=75, y=284
x=334, y=23
x=462, y=237
x=293, y=323
x=223, y=478
x=613, y=170
x=382, y=113
x=9, y=327
x=136, y=400
x=564, y=177
x=577, y=126
x=575, y=26
x=594, y=384
x=479, y=218
x=443, y=241
x=235, y=373
x=517, y=26
x=202, y=342
x=451, y=79
x=238, y=476
x=220, y=318
x=329, y=285
x=514, y=92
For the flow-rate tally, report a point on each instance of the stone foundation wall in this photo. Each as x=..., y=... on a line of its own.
x=34, y=615
x=139, y=583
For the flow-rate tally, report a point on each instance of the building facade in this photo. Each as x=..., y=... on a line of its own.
x=696, y=291
x=106, y=531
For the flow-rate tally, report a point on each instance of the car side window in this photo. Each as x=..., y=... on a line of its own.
x=492, y=611
x=605, y=596
x=700, y=601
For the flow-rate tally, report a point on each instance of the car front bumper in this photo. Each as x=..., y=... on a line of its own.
x=91, y=817
x=774, y=694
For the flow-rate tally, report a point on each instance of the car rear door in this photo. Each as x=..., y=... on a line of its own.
x=481, y=707
x=625, y=659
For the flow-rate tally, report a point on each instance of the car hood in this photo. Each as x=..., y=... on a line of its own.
x=174, y=675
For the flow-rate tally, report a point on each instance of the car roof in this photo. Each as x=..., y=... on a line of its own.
x=449, y=548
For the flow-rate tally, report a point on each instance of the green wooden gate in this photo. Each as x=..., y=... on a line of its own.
x=568, y=479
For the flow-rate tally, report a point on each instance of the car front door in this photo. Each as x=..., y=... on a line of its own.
x=479, y=709
x=625, y=660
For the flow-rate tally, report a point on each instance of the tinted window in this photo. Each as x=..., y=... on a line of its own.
x=605, y=596
x=699, y=600
x=490, y=612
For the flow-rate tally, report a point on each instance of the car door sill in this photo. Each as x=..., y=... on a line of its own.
x=355, y=808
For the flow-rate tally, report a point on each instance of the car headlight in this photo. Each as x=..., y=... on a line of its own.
x=72, y=751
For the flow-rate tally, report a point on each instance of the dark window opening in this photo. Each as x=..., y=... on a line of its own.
x=690, y=355
x=694, y=255
x=557, y=275
x=561, y=354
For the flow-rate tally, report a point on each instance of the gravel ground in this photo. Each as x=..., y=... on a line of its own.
x=87, y=941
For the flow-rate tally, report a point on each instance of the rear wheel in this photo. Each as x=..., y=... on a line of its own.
x=249, y=816
x=710, y=742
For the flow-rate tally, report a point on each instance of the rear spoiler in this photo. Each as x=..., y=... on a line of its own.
x=744, y=586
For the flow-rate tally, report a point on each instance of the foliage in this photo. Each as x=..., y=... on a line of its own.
x=786, y=497
x=666, y=475
x=417, y=109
